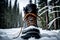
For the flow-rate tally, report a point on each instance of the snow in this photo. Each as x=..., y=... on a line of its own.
x=8, y=34
x=30, y=27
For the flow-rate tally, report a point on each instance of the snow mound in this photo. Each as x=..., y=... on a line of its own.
x=7, y=34
x=4, y=38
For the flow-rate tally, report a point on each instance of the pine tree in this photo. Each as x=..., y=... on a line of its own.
x=2, y=8
x=9, y=16
x=56, y=14
x=15, y=9
x=41, y=4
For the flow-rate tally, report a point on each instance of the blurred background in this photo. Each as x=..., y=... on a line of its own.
x=12, y=15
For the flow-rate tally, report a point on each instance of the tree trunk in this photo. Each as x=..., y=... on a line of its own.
x=47, y=17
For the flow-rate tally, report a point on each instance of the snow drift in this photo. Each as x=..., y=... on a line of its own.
x=8, y=34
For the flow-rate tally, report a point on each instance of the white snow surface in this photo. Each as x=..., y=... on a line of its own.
x=8, y=34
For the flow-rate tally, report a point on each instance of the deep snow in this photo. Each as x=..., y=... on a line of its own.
x=8, y=34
